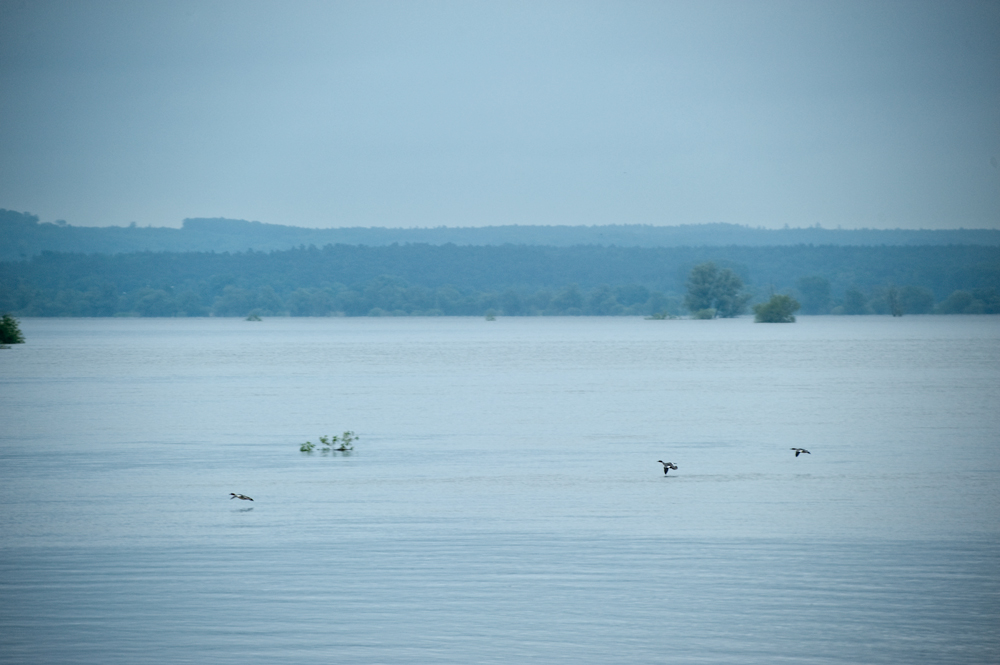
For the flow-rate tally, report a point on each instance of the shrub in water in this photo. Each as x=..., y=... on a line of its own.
x=329, y=443
x=779, y=309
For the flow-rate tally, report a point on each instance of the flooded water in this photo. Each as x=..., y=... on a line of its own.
x=504, y=501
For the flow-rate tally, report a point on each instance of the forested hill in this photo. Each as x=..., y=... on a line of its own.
x=22, y=236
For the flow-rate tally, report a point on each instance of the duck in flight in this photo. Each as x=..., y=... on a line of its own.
x=667, y=466
x=799, y=451
x=234, y=495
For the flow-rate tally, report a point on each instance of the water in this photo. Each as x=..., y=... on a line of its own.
x=504, y=501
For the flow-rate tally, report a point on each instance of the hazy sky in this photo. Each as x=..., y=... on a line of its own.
x=877, y=114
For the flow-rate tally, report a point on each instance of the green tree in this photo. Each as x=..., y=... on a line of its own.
x=815, y=292
x=632, y=294
x=712, y=289
x=602, y=302
x=511, y=302
x=990, y=299
x=916, y=300
x=960, y=302
x=569, y=301
x=10, y=333
x=155, y=302
x=779, y=309
x=887, y=301
x=658, y=303
x=855, y=302
x=894, y=302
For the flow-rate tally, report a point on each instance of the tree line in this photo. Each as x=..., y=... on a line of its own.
x=382, y=296
x=513, y=280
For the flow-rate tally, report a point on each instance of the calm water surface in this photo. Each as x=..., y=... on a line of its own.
x=504, y=501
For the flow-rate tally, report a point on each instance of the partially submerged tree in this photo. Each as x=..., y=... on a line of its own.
x=893, y=300
x=719, y=291
x=10, y=333
x=779, y=309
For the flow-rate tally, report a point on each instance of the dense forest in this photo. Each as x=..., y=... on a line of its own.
x=22, y=236
x=425, y=279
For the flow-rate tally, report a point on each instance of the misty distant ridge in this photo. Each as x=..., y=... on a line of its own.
x=22, y=236
x=623, y=235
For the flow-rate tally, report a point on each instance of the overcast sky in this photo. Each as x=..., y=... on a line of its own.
x=857, y=114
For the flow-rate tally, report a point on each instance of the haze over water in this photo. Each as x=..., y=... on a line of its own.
x=504, y=501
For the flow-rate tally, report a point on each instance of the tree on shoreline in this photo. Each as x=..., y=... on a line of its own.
x=10, y=333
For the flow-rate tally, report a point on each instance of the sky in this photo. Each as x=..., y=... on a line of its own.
x=422, y=114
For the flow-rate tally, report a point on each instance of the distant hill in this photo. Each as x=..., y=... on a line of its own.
x=22, y=236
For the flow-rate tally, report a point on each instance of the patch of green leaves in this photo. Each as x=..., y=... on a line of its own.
x=327, y=443
x=10, y=333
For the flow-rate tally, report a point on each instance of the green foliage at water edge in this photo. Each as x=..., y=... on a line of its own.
x=10, y=332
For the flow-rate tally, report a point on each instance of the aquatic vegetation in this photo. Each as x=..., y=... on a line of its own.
x=329, y=443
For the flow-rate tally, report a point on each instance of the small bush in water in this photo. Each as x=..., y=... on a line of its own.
x=329, y=443
x=779, y=309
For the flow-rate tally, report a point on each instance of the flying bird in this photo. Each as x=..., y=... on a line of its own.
x=667, y=466
x=234, y=495
x=799, y=451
